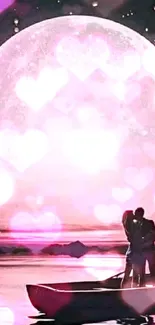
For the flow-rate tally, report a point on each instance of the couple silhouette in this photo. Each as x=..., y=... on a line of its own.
x=140, y=234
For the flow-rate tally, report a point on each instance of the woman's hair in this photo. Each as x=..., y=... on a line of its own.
x=127, y=219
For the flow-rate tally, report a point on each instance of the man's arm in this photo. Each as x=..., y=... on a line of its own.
x=151, y=231
x=149, y=238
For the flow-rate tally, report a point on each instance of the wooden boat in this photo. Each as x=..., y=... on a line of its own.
x=90, y=302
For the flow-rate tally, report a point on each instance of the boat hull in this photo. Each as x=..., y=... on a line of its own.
x=89, y=306
x=110, y=283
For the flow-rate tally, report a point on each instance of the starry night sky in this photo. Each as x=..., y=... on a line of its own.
x=136, y=14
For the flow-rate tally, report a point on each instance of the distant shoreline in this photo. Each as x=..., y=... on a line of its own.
x=73, y=249
x=65, y=243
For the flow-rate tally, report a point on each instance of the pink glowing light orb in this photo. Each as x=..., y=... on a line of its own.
x=53, y=72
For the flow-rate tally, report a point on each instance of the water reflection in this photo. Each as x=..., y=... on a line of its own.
x=39, y=322
x=127, y=322
x=142, y=320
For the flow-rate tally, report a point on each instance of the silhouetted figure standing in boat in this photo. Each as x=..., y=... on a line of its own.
x=140, y=233
x=128, y=223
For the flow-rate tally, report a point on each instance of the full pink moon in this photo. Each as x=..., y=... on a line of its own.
x=77, y=118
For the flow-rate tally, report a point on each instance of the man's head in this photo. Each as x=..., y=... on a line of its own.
x=139, y=213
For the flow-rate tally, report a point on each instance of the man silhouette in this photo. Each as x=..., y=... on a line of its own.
x=146, y=244
x=131, y=233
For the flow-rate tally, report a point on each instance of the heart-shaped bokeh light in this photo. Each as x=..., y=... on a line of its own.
x=45, y=223
x=140, y=300
x=36, y=93
x=23, y=150
x=80, y=57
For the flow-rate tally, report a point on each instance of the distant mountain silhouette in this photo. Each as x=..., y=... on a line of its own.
x=2, y=251
x=15, y=250
x=73, y=249
x=21, y=250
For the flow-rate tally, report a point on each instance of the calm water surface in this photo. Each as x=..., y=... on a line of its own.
x=16, y=272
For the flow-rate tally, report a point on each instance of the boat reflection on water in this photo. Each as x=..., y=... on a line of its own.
x=44, y=322
x=128, y=321
x=136, y=321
